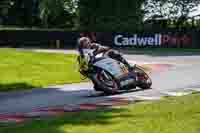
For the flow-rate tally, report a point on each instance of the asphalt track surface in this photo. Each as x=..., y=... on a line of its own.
x=170, y=75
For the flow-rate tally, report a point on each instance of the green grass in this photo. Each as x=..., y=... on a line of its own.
x=171, y=115
x=25, y=70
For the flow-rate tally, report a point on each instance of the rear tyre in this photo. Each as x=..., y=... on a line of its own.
x=97, y=87
x=106, y=83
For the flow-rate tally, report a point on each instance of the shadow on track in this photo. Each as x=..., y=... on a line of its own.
x=5, y=87
x=101, y=94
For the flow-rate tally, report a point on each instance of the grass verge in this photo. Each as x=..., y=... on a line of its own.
x=25, y=70
x=171, y=115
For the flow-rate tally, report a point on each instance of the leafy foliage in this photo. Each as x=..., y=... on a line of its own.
x=112, y=15
x=174, y=13
x=94, y=15
x=170, y=9
x=57, y=13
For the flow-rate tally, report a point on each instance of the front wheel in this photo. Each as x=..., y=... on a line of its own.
x=106, y=82
x=143, y=79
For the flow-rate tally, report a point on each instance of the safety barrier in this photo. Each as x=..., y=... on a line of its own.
x=65, y=39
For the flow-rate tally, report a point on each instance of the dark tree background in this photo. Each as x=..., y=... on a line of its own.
x=93, y=15
x=110, y=15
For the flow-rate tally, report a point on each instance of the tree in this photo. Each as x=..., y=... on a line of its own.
x=110, y=15
x=56, y=13
x=19, y=12
x=49, y=10
x=176, y=10
x=4, y=7
x=45, y=13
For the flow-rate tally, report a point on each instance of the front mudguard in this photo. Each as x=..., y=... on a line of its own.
x=146, y=83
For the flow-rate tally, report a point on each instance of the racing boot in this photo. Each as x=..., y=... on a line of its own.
x=130, y=68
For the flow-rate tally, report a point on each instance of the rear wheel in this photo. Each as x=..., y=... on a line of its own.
x=97, y=87
x=106, y=83
x=143, y=79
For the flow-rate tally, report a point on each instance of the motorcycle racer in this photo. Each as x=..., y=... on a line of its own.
x=85, y=44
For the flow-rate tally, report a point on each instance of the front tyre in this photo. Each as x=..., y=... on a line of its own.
x=106, y=82
x=143, y=79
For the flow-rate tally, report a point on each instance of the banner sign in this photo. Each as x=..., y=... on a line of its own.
x=135, y=40
x=176, y=40
x=166, y=39
x=156, y=39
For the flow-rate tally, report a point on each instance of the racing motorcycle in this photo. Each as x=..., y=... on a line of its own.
x=111, y=76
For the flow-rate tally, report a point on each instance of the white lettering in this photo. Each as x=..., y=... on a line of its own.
x=156, y=39
x=142, y=41
x=125, y=41
x=159, y=39
x=151, y=41
x=133, y=40
x=120, y=40
x=116, y=40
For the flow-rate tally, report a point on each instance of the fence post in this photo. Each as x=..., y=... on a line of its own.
x=58, y=44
